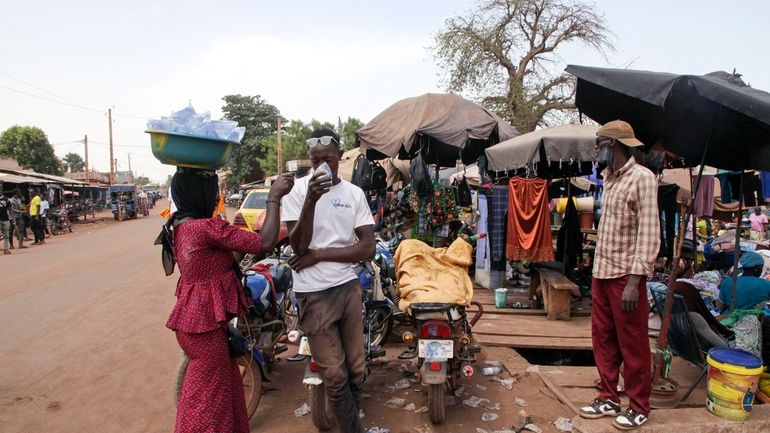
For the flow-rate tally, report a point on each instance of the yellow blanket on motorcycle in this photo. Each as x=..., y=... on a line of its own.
x=428, y=274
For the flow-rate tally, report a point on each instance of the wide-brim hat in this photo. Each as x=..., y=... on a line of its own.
x=621, y=131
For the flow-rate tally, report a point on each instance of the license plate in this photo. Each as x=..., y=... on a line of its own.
x=435, y=349
x=304, y=347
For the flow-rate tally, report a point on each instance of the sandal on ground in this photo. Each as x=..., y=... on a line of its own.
x=600, y=408
x=629, y=420
x=519, y=305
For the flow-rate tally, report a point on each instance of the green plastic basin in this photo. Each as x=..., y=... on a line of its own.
x=188, y=150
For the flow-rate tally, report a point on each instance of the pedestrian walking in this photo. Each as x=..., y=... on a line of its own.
x=628, y=239
x=34, y=216
x=331, y=227
x=17, y=220
x=209, y=295
x=5, y=221
x=44, y=206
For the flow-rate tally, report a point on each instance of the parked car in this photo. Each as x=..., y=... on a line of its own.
x=251, y=215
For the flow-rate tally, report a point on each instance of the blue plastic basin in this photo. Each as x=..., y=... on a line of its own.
x=188, y=150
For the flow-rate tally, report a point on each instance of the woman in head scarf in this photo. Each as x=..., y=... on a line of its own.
x=209, y=295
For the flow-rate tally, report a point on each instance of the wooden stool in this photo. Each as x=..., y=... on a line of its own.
x=557, y=293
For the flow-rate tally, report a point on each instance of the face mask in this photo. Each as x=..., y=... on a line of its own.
x=606, y=154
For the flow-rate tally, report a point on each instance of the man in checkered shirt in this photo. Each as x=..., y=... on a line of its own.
x=626, y=248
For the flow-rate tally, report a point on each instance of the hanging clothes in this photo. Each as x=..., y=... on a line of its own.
x=752, y=190
x=704, y=199
x=668, y=209
x=569, y=242
x=726, y=187
x=498, y=208
x=481, y=227
x=766, y=185
x=529, y=221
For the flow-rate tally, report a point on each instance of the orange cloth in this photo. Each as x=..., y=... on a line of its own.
x=220, y=210
x=529, y=221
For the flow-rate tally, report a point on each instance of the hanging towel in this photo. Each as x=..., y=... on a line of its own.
x=704, y=200
x=569, y=242
x=766, y=185
x=529, y=221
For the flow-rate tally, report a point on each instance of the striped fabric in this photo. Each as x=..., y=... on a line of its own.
x=629, y=229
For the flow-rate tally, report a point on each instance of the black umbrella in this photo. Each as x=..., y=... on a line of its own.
x=687, y=114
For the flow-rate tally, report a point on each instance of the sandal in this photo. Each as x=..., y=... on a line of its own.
x=630, y=420
x=600, y=408
x=519, y=305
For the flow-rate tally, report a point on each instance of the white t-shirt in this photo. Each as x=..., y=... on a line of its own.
x=337, y=214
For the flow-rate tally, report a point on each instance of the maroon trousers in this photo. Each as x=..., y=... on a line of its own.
x=212, y=399
x=621, y=338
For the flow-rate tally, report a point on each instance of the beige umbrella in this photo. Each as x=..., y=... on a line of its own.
x=446, y=124
x=560, y=143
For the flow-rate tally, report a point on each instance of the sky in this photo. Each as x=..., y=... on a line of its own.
x=63, y=64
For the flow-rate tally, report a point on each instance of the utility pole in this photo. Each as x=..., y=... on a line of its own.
x=280, y=148
x=85, y=141
x=112, y=167
x=129, y=165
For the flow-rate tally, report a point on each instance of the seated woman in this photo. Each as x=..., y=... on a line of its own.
x=710, y=332
x=751, y=290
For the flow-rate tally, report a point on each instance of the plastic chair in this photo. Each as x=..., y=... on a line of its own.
x=682, y=338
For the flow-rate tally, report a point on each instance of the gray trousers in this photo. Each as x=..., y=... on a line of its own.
x=5, y=228
x=333, y=321
x=706, y=335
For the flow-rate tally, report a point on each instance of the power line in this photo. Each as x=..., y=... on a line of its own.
x=82, y=107
x=36, y=87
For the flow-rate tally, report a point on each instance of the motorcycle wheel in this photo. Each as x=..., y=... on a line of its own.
x=69, y=227
x=115, y=216
x=55, y=230
x=252, y=382
x=436, y=406
x=319, y=407
x=382, y=324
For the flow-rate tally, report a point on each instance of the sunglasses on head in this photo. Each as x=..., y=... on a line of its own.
x=325, y=140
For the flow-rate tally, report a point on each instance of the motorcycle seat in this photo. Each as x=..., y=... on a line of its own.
x=435, y=311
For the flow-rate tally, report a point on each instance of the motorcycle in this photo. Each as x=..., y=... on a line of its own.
x=378, y=321
x=59, y=221
x=268, y=283
x=445, y=350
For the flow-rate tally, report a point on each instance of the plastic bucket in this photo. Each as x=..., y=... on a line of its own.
x=500, y=295
x=586, y=220
x=732, y=382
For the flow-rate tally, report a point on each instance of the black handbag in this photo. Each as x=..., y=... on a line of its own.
x=464, y=198
x=237, y=344
x=421, y=182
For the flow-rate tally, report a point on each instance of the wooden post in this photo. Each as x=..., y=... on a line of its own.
x=113, y=168
x=85, y=141
x=280, y=148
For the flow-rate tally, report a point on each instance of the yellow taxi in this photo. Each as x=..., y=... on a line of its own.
x=251, y=215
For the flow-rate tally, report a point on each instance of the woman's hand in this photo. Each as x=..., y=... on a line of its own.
x=281, y=186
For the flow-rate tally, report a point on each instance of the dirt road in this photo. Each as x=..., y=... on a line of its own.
x=84, y=348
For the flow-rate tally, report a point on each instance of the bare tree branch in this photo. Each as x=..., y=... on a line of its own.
x=504, y=52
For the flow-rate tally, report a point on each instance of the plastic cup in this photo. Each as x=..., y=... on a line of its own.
x=500, y=295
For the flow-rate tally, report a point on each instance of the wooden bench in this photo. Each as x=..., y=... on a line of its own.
x=556, y=290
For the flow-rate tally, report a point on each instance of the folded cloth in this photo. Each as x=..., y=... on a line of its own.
x=428, y=274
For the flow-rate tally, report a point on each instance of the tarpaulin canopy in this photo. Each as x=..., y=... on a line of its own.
x=445, y=126
x=16, y=179
x=686, y=114
x=560, y=143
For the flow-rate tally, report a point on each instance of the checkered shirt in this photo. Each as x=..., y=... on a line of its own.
x=629, y=229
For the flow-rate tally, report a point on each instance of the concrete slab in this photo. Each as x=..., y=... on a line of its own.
x=694, y=420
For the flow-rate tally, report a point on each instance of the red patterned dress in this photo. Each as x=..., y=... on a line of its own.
x=208, y=296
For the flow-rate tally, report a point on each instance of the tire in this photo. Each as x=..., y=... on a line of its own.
x=319, y=407
x=69, y=227
x=252, y=382
x=381, y=326
x=55, y=230
x=436, y=406
x=115, y=215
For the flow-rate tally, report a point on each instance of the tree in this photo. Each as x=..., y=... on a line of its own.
x=260, y=120
x=29, y=146
x=73, y=162
x=505, y=51
x=142, y=180
x=347, y=131
x=293, y=143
